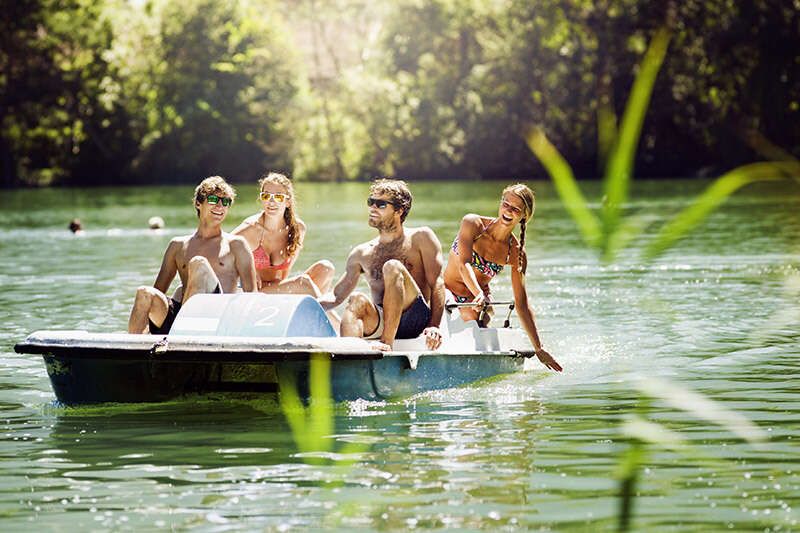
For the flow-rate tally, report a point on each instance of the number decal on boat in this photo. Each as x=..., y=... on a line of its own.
x=270, y=313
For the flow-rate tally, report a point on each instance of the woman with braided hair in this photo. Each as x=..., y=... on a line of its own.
x=275, y=236
x=485, y=245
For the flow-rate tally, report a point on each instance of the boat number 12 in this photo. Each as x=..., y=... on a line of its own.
x=269, y=313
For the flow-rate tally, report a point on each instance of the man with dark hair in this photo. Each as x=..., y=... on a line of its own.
x=403, y=267
x=207, y=261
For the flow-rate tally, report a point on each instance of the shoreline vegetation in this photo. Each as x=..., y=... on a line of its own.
x=104, y=92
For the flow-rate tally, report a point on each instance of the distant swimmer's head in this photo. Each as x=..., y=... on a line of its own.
x=396, y=192
x=75, y=225
x=155, y=223
x=214, y=190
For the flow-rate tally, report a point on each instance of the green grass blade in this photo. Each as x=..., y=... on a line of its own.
x=293, y=408
x=703, y=408
x=629, y=229
x=321, y=402
x=566, y=186
x=713, y=197
x=617, y=178
x=606, y=131
x=643, y=430
x=628, y=472
x=312, y=425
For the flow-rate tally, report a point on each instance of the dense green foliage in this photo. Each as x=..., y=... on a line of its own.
x=107, y=91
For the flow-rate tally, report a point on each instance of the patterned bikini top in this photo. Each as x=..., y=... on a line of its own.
x=481, y=264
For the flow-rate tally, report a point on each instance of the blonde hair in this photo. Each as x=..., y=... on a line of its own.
x=397, y=190
x=290, y=215
x=213, y=185
x=528, y=197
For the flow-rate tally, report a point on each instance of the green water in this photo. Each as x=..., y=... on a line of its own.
x=718, y=314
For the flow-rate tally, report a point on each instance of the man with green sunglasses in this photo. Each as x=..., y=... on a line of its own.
x=207, y=261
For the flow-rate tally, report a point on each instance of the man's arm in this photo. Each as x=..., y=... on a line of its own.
x=347, y=284
x=169, y=266
x=432, y=261
x=243, y=259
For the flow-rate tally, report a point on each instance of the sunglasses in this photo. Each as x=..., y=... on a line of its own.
x=380, y=204
x=277, y=196
x=213, y=199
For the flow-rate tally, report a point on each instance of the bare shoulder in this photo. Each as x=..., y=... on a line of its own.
x=179, y=241
x=473, y=223
x=422, y=235
x=235, y=241
x=301, y=225
x=176, y=249
x=364, y=249
x=472, y=219
x=247, y=224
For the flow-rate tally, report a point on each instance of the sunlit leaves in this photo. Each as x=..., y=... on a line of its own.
x=616, y=182
x=612, y=232
x=567, y=187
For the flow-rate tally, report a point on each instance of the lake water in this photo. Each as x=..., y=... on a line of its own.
x=719, y=314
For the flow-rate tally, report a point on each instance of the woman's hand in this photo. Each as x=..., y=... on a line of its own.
x=547, y=360
x=479, y=302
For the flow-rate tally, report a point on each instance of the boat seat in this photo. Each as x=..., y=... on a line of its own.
x=458, y=336
x=252, y=314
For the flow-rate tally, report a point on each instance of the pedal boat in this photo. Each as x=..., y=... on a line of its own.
x=251, y=343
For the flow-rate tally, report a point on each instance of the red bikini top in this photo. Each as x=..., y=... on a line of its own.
x=263, y=262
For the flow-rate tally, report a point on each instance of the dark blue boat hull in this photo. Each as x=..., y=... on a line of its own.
x=79, y=380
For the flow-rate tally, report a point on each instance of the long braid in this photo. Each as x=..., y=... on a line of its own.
x=522, y=258
x=529, y=200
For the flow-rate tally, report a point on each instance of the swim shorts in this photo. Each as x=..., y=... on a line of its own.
x=172, y=311
x=173, y=306
x=413, y=321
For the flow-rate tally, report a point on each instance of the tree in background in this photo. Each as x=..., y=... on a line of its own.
x=61, y=120
x=108, y=91
x=462, y=78
x=212, y=90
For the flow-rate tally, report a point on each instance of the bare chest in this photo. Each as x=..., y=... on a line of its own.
x=402, y=251
x=217, y=251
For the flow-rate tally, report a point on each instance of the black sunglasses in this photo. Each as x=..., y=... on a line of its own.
x=213, y=199
x=380, y=204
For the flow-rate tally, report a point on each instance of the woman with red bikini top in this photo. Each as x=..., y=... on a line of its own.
x=275, y=236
